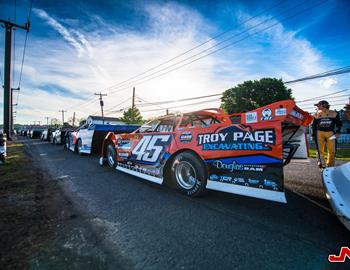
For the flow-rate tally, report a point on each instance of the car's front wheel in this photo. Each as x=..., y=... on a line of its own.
x=111, y=155
x=189, y=174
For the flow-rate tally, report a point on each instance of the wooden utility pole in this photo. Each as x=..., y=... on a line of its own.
x=73, y=119
x=101, y=104
x=62, y=111
x=7, y=74
x=133, y=98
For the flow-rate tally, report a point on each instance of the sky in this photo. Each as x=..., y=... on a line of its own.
x=78, y=48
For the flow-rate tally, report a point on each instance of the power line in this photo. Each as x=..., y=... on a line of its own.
x=116, y=106
x=289, y=17
x=341, y=91
x=178, y=100
x=193, y=48
x=24, y=52
x=338, y=104
x=162, y=74
x=181, y=106
x=324, y=74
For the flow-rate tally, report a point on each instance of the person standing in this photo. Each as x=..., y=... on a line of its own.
x=326, y=128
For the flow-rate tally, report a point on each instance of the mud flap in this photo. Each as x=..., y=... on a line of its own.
x=336, y=181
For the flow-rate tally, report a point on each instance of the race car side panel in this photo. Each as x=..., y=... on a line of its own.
x=144, y=155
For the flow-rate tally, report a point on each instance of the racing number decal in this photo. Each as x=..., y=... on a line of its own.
x=150, y=147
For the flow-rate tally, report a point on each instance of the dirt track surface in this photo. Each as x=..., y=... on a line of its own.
x=147, y=226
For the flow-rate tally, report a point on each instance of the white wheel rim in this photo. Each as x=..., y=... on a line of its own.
x=185, y=175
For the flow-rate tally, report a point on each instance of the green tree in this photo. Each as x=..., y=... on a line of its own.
x=132, y=116
x=254, y=94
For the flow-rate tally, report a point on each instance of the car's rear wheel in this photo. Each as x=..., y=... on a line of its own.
x=111, y=155
x=79, y=147
x=189, y=174
x=67, y=144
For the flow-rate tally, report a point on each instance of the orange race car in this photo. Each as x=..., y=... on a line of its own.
x=242, y=153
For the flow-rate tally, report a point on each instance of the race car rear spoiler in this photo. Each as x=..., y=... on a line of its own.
x=294, y=122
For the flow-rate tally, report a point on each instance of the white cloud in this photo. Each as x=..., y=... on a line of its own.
x=327, y=83
x=85, y=63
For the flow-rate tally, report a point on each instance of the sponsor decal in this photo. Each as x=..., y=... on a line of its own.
x=153, y=171
x=271, y=184
x=239, y=180
x=343, y=254
x=123, y=155
x=214, y=177
x=297, y=114
x=124, y=144
x=251, y=117
x=238, y=140
x=266, y=114
x=186, y=137
x=253, y=181
x=235, y=166
x=281, y=111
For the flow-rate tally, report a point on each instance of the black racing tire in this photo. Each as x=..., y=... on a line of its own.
x=188, y=174
x=111, y=155
x=79, y=145
x=67, y=143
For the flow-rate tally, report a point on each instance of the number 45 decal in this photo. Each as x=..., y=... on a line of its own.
x=150, y=147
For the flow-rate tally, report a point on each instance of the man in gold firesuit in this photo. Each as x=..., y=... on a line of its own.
x=325, y=130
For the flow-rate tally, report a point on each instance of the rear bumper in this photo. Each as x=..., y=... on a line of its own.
x=336, y=181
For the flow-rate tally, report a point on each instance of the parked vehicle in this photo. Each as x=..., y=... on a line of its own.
x=45, y=135
x=35, y=132
x=89, y=137
x=59, y=135
x=2, y=147
x=210, y=149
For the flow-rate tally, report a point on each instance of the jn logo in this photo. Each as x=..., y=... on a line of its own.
x=344, y=252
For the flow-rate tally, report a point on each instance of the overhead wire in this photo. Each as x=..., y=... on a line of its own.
x=321, y=75
x=322, y=96
x=162, y=74
x=144, y=78
x=193, y=48
x=23, y=55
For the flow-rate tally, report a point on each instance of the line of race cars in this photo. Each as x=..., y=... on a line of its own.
x=242, y=153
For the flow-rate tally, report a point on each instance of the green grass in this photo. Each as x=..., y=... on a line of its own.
x=341, y=154
x=16, y=172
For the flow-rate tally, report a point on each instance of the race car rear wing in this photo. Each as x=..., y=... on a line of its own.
x=294, y=122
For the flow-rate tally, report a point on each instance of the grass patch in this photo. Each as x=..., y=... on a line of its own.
x=15, y=172
x=341, y=154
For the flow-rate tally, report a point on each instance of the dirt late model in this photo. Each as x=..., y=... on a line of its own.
x=241, y=153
